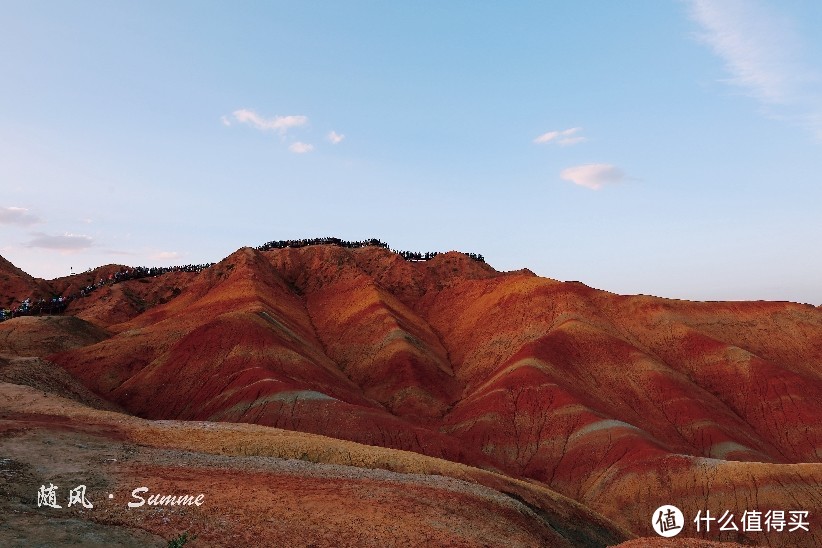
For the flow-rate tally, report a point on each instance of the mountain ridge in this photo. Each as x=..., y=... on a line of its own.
x=592, y=394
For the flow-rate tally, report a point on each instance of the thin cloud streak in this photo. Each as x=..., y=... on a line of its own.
x=563, y=137
x=166, y=256
x=761, y=52
x=280, y=124
x=66, y=242
x=119, y=252
x=17, y=216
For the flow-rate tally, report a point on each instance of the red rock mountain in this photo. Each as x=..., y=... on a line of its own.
x=17, y=285
x=622, y=403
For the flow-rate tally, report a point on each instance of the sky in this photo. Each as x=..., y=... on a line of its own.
x=671, y=148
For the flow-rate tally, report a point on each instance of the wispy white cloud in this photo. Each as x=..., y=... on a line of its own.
x=593, y=176
x=334, y=137
x=225, y=121
x=300, y=148
x=563, y=137
x=280, y=124
x=166, y=256
x=119, y=252
x=762, y=53
x=66, y=242
x=17, y=216
x=571, y=140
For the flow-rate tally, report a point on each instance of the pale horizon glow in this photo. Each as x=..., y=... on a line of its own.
x=669, y=149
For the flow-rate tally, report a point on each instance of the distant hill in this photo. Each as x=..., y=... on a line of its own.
x=16, y=284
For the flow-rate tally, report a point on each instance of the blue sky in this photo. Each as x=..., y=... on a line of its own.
x=667, y=148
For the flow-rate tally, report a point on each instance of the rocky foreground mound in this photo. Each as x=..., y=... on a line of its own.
x=621, y=403
x=258, y=486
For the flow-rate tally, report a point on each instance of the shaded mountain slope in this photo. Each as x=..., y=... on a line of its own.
x=17, y=285
x=44, y=335
x=49, y=379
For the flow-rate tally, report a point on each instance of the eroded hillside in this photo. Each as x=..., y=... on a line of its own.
x=622, y=403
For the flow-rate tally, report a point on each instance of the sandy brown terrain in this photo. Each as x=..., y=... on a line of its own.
x=261, y=486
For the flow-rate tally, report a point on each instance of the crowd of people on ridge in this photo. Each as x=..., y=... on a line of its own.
x=305, y=242
x=372, y=242
x=58, y=303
